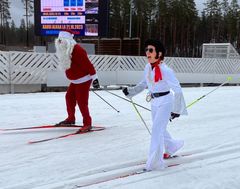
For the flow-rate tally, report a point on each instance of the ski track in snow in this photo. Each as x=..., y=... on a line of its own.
x=94, y=160
x=219, y=154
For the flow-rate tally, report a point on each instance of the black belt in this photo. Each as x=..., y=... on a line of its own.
x=156, y=95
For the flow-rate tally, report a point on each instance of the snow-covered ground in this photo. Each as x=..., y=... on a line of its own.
x=211, y=132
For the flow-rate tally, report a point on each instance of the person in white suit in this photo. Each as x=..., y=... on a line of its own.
x=167, y=103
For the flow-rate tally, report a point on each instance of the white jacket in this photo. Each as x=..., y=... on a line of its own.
x=168, y=83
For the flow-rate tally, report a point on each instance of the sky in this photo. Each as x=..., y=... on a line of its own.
x=17, y=11
x=210, y=131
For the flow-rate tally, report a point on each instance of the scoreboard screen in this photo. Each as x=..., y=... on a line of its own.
x=83, y=17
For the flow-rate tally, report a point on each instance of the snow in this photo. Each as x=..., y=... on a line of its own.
x=211, y=134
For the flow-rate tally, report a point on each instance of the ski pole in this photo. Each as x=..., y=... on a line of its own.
x=134, y=105
x=140, y=116
x=195, y=101
x=189, y=105
x=105, y=101
x=128, y=100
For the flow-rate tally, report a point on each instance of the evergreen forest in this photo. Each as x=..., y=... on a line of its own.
x=177, y=23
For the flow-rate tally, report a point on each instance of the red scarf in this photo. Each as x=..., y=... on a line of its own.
x=158, y=74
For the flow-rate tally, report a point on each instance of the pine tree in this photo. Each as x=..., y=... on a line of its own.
x=234, y=20
x=21, y=32
x=11, y=34
x=4, y=17
x=213, y=14
x=115, y=18
x=28, y=6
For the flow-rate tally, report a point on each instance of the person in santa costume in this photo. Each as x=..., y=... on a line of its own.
x=81, y=74
x=167, y=103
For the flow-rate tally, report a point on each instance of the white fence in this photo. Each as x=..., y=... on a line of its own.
x=219, y=50
x=42, y=68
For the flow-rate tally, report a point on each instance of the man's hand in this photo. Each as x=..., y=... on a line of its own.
x=125, y=91
x=173, y=116
x=96, y=84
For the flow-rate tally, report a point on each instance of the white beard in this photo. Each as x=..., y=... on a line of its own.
x=64, y=51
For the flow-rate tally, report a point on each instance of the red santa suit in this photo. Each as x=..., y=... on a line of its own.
x=81, y=72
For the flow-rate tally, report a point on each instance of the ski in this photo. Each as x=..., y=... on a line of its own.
x=144, y=170
x=94, y=129
x=137, y=171
x=47, y=127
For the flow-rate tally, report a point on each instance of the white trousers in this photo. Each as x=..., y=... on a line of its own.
x=161, y=140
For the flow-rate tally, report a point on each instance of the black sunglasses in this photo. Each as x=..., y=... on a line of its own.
x=149, y=49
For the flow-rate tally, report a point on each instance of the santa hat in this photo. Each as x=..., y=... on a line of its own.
x=68, y=34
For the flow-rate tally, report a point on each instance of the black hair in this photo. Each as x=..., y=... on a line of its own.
x=158, y=46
